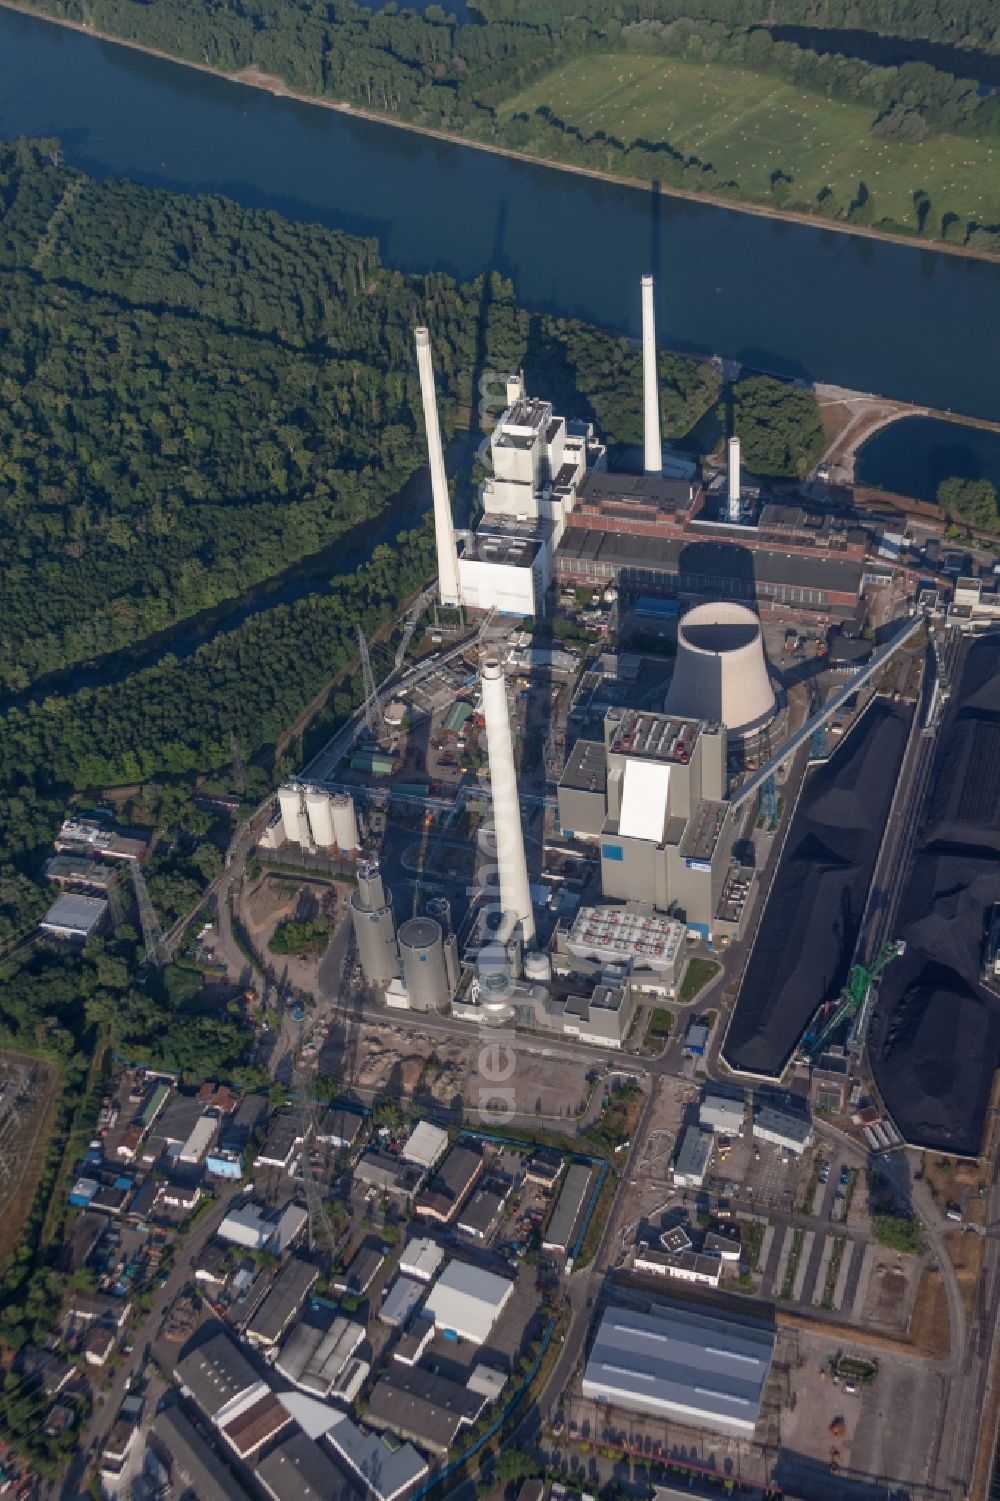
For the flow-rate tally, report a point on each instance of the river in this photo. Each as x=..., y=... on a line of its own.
x=906, y=322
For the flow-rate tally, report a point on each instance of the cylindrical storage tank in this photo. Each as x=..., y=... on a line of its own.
x=421, y=953
x=345, y=822
x=375, y=931
x=320, y=818
x=371, y=890
x=290, y=803
x=720, y=673
x=394, y=713
x=537, y=967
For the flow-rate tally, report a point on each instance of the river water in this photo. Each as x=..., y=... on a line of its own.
x=898, y=320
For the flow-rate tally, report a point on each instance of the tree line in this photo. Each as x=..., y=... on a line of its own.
x=433, y=71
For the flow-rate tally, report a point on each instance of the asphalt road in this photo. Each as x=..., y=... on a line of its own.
x=94, y=1433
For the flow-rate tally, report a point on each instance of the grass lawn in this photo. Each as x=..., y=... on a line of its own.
x=696, y=977
x=748, y=125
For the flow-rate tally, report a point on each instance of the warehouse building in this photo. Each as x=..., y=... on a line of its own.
x=299, y=1469
x=466, y=1301
x=568, y=1209
x=693, y=1155
x=451, y=1185
x=421, y=1259
x=74, y=916
x=659, y=815
x=386, y=1468
x=425, y=1146
x=722, y=1114
x=191, y=1463
x=285, y=1297
x=423, y=1406
x=700, y=1368
x=401, y=1302
x=313, y=1358
x=783, y=1126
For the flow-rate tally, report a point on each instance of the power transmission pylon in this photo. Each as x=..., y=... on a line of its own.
x=239, y=770
x=115, y=902
x=371, y=692
x=152, y=933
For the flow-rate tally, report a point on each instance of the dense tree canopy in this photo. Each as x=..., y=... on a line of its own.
x=971, y=500
x=779, y=426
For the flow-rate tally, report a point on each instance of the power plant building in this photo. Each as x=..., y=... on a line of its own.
x=699, y=1368
x=658, y=810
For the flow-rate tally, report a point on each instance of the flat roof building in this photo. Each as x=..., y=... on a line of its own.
x=698, y=1367
x=785, y=1127
x=425, y=1146
x=74, y=916
x=340, y=1127
x=568, y=1208
x=684, y=1266
x=481, y=1214
x=421, y=1258
x=216, y=1373
x=467, y=1301
x=721, y=1113
x=283, y=1143
x=361, y=1271
x=691, y=1162
x=401, y=1302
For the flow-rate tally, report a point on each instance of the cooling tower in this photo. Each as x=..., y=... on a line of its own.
x=721, y=671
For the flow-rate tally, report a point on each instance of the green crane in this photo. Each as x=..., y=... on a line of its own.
x=851, y=1002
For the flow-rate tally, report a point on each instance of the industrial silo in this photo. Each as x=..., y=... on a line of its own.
x=720, y=673
x=320, y=818
x=425, y=973
x=345, y=822
x=374, y=926
x=293, y=815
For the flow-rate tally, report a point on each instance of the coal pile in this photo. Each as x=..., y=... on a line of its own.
x=935, y=1039
x=810, y=926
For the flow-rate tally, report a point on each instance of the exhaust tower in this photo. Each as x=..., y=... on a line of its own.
x=449, y=589
x=512, y=868
x=652, y=442
x=733, y=503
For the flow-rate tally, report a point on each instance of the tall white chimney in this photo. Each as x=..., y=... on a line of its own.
x=733, y=507
x=449, y=589
x=515, y=892
x=652, y=442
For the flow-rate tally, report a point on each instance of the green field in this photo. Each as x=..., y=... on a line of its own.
x=749, y=125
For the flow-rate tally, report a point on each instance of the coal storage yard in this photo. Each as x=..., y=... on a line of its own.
x=935, y=1038
x=806, y=941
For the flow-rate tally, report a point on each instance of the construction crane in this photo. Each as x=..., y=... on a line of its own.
x=850, y=1003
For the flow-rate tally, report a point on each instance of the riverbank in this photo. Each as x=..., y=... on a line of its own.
x=255, y=78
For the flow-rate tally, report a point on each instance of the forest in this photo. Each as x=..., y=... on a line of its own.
x=430, y=70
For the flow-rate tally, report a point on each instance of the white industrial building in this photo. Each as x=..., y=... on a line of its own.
x=788, y=1129
x=682, y=1266
x=425, y=1145
x=722, y=1114
x=700, y=1368
x=74, y=916
x=693, y=1154
x=538, y=460
x=421, y=1258
x=467, y=1301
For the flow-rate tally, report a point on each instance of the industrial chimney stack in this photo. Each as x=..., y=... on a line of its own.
x=515, y=892
x=652, y=442
x=449, y=589
x=734, y=508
